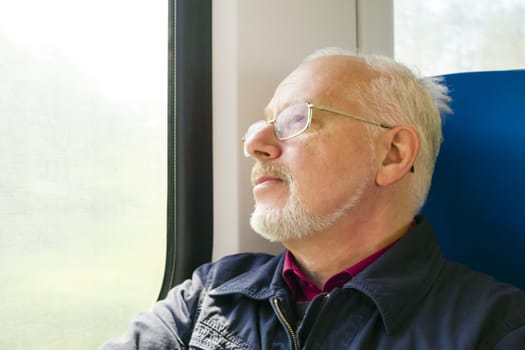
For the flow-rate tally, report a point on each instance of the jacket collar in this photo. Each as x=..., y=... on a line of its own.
x=395, y=282
x=263, y=283
x=400, y=278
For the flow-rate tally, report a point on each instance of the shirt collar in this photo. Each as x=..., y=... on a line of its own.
x=303, y=289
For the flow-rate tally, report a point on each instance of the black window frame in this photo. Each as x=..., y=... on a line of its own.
x=190, y=164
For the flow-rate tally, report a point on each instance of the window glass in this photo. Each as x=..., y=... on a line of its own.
x=83, y=155
x=451, y=36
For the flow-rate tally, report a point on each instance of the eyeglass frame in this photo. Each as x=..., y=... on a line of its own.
x=312, y=106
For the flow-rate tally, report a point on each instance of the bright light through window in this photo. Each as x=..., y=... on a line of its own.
x=452, y=36
x=83, y=154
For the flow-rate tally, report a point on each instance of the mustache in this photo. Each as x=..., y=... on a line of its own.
x=278, y=171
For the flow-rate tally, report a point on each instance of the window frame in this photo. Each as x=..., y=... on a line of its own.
x=189, y=223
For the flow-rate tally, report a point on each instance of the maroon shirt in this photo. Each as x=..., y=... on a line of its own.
x=305, y=290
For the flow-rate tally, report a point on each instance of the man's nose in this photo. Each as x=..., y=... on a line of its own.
x=262, y=144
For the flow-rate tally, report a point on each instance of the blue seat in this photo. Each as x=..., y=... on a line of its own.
x=477, y=199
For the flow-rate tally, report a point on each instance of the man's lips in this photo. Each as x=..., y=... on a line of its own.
x=266, y=179
x=266, y=174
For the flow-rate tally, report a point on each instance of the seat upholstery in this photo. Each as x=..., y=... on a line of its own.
x=477, y=199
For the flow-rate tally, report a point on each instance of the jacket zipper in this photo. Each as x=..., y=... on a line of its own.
x=325, y=298
x=295, y=344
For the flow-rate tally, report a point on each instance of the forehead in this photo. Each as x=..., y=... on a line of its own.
x=324, y=80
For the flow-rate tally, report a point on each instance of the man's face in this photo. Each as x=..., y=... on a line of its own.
x=308, y=183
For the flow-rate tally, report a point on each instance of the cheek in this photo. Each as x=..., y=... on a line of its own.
x=340, y=156
x=330, y=172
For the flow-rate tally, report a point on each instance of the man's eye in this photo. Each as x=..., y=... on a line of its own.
x=298, y=118
x=293, y=121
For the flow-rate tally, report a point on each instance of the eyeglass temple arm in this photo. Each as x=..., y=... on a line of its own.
x=328, y=109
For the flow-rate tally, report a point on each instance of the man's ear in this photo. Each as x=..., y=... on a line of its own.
x=398, y=149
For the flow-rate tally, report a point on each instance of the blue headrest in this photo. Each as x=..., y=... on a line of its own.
x=477, y=198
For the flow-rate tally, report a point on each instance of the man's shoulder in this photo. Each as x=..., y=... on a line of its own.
x=477, y=297
x=464, y=280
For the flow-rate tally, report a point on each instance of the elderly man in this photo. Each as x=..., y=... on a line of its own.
x=343, y=163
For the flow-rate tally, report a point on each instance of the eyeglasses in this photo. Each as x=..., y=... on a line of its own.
x=295, y=119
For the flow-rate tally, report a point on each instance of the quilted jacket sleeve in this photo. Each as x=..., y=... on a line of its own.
x=169, y=324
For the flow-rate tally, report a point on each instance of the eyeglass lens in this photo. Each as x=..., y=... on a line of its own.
x=291, y=121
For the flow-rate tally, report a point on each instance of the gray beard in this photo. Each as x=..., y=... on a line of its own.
x=294, y=221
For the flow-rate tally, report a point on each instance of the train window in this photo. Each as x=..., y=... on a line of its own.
x=83, y=152
x=450, y=36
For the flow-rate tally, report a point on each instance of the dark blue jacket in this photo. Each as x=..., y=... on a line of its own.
x=410, y=298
